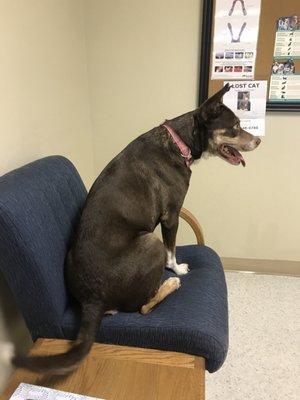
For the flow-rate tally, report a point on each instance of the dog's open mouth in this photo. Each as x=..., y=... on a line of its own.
x=231, y=155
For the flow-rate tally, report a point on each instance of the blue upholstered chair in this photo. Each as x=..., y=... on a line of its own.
x=40, y=205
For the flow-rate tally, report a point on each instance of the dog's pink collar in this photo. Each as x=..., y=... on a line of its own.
x=184, y=149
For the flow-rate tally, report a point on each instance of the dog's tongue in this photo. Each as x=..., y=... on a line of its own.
x=237, y=157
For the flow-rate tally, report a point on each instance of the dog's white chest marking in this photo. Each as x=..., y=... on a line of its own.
x=179, y=269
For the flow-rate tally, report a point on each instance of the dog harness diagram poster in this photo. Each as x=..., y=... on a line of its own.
x=236, y=29
x=285, y=78
x=247, y=99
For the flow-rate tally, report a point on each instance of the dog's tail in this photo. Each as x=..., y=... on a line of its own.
x=60, y=364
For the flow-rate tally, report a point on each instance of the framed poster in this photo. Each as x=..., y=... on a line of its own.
x=249, y=40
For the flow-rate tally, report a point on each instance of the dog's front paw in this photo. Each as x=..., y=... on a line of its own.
x=181, y=269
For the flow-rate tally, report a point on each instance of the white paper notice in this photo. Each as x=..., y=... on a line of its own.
x=287, y=42
x=235, y=37
x=285, y=78
x=247, y=99
x=33, y=392
x=285, y=88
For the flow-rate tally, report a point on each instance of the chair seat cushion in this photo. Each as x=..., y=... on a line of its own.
x=192, y=320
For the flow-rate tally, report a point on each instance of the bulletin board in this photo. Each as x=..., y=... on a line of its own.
x=271, y=11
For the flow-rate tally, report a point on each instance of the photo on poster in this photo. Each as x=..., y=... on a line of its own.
x=283, y=67
x=243, y=101
x=291, y=23
x=239, y=54
x=249, y=54
x=238, y=68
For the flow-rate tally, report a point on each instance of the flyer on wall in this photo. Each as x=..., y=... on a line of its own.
x=285, y=71
x=284, y=86
x=247, y=99
x=287, y=39
x=236, y=26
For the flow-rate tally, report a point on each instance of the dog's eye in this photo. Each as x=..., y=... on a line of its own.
x=233, y=132
x=237, y=126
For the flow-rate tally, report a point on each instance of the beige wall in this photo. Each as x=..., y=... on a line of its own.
x=143, y=63
x=253, y=212
x=143, y=68
x=44, y=105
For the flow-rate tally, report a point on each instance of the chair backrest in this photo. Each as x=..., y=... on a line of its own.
x=40, y=204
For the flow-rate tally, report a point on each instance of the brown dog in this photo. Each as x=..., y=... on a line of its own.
x=116, y=262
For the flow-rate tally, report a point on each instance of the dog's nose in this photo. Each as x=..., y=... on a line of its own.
x=257, y=142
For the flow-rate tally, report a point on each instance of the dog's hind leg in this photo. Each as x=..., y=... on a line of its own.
x=167, y=287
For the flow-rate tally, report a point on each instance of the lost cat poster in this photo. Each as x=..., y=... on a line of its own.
x=247, y=99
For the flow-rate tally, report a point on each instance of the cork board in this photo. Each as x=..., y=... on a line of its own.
x=271, y=11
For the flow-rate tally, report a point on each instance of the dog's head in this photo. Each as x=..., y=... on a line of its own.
x=226, y=137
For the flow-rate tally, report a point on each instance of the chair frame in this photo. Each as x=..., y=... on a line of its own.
x=187, y=216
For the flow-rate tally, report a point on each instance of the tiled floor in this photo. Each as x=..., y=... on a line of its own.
x=264, y=357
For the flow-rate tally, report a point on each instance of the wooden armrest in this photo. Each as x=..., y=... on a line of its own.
x=141, y=373
x=194, y=224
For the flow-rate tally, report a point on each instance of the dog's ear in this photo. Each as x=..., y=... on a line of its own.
x=212, y=107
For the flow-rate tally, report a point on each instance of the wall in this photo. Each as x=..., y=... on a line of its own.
x=143, y=68
x=44, y=105
x=253, y=212
x=142, y=63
